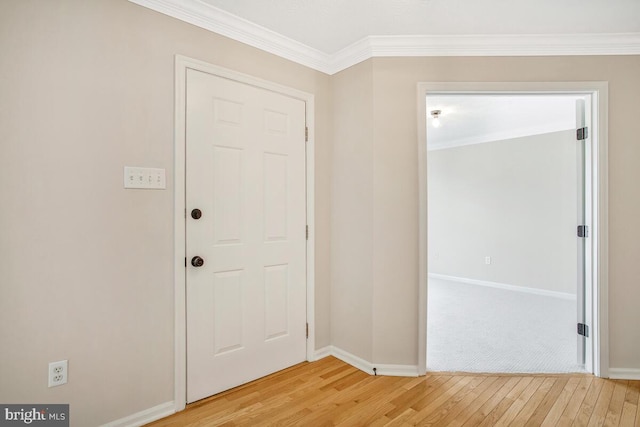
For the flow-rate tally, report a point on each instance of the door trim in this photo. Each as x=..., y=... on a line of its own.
x=599, y=202
x=182, y=63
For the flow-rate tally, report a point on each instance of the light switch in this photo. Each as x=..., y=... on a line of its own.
x=144, y=178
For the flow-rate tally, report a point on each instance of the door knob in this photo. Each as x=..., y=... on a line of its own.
x=196, y=214
x=196, y=261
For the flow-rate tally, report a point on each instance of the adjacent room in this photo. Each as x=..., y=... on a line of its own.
x=505, y=185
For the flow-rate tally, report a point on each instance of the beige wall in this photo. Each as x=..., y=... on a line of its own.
x=85, y=266
x=396, y=187
x=515, y=200
x=352, y=211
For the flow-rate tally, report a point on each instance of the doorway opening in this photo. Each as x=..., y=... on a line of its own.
x=507, y=184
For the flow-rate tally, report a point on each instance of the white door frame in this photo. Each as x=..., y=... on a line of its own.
x=182, y=63
x=599, y=184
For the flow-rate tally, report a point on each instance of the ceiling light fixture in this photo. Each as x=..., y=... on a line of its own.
x=435, y=114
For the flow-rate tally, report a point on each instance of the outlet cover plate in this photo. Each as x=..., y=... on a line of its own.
x=58, y=373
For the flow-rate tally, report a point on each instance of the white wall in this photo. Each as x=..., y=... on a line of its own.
x=513, y=200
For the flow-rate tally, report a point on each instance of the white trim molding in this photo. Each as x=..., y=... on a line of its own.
x=353, y=360
x=366, y=366
x=516, y=288
x=144, y=417
x=507, y=45
x=397, y=370
x=624, y=374
x=224, y=23
x=486, y=45
x=323, y=352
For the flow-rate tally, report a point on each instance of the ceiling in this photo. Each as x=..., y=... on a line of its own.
x=332, y=35
x=332, y=25
x=475, y=119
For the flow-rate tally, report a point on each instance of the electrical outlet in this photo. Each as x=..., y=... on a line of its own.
x=58, y=373
x=487, y=260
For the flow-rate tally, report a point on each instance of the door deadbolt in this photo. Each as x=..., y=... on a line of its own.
x=196, y=261
x=196, y=214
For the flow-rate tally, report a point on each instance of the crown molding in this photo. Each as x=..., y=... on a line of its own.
x=507, y=45
x=224, y=23
x=221, y=22
x=351, y=55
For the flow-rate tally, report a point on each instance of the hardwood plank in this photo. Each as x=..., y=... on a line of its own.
x=346, y=381
x=633, y=392
x=477, y=403
x=357, y=396
x=636, y=386
x=464, y=402
x=571, y=411
x=415, y=394
x=451, y=407
x=492, y=418
x=401, y=419
x=600, y=409
x=614, y=412
x=330, y=392
x=554, y=414
x=331, y=403
x=589, y=401
x=491, y=406
x=532, y=404
x=520, y=402
x=548, y=401
x=439, y=400
x=631, y=404
x=444, y=389
x=377, y=403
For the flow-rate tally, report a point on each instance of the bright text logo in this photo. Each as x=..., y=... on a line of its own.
x=36, y=415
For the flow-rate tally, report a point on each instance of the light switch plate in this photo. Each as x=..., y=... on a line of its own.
x=144, y=178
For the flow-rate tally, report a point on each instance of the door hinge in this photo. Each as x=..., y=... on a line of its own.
x=583, y=330
x=583, y=231
x=185, y=261
x=307, y=330
x=306, y=134
x=307, y=232
x=582, y=134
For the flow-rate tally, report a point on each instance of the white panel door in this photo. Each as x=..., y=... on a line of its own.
x=245, y=173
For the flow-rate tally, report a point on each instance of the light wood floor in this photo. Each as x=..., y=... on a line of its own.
x=331, y=392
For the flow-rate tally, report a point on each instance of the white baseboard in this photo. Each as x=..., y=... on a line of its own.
x=555, y=294
x=624, y=374
x=397, y=370
x=322, y=353
x=366, y=366
x=144, y=417
x=352, y=360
